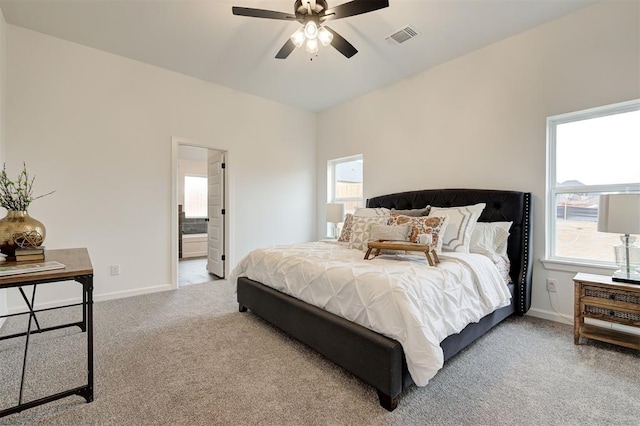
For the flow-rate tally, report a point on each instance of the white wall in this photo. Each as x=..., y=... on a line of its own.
x=97, y=128
x=479, y=121
x=3, y=97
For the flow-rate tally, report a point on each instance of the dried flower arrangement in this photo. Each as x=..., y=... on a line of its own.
x=17, y=195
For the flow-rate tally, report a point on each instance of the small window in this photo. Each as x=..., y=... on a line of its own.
x=345, y=182
x=589, y=153
x=195, y=196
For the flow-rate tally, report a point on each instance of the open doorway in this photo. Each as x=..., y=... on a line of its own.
x=200, y=199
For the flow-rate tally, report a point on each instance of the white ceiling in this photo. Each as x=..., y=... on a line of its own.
x=203, y=39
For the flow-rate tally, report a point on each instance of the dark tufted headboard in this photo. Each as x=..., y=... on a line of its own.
x=501, y=206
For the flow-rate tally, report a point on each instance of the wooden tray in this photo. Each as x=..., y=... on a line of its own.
x=378, y=246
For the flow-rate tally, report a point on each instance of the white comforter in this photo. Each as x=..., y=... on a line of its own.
x=398, y=296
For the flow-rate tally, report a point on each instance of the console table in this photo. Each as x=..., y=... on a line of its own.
x=77, y=268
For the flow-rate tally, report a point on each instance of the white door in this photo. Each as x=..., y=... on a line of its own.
x=215, y=229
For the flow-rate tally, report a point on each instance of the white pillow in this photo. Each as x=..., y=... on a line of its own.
x=361, y=230
x=371, y=212
x=504, y=266
x=462, y=220
x=387, y=232
x=490, y=239
x=391, y=233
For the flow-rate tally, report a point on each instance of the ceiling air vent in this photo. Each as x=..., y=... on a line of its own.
x=402, y=35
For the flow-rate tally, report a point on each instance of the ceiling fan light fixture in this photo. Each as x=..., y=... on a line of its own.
x=312, y=45
x=311, y=30
x=298, y=37
x=325, y=36
x=312, y=14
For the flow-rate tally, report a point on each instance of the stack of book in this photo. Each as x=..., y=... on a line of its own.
x=30, y=253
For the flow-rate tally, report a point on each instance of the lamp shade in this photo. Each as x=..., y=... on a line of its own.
x=619, y=213
x=335, y=212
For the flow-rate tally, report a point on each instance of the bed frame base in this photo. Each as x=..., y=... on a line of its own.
x=387, y=402
x=383, y=366
x=374, y=358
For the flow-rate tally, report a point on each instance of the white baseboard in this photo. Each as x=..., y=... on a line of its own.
x=129, y=293
x=550, y=315
x=96, y=298
x=565, y=319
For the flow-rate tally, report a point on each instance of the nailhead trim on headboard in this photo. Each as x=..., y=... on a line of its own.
x=525, y=251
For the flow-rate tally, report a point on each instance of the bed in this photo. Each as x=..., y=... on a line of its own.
x=385, y=365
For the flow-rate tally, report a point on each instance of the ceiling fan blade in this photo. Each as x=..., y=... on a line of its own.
x=354, y=7
x=261, y=13
x=342, y=45
x=285, y=50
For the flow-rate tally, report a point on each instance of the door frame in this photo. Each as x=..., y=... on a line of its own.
x=173, y=261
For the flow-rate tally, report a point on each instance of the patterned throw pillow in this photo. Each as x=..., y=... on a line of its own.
x=435, y=226
x=361, y=230
x=345, y=234
x=462, y=220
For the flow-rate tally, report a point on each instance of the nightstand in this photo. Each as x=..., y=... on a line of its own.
x=598, y=297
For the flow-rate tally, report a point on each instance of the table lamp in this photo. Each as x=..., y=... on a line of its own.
x=620, y=214
x=335, y=215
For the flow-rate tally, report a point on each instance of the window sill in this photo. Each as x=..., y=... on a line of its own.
x=575, y=266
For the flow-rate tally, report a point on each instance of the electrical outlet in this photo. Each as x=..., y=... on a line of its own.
x=115, y=269
x=551, y=285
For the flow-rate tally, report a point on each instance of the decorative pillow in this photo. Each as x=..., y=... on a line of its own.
x=372, y=212
x=413, y=212
x=422, y=225
x=462, y=220
x=387, y=232
x=490, y=239
x=425, y=239
x=502, y=248
x=392, y=233
x=345, y=233
x=361, y=230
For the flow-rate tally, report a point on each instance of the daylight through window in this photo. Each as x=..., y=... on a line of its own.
x=589, y=153
x=195, y=196
x=345, y=184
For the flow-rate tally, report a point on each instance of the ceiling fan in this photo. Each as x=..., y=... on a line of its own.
x=312, y=14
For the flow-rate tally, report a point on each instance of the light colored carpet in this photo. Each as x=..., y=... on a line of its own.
x=188, y=357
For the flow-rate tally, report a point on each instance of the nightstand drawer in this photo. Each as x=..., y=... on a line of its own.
x=612, y=295
x=613, y=305
x=613, y=315
x=598, y=297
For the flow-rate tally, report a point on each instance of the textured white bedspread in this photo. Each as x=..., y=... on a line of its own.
x=400, y=297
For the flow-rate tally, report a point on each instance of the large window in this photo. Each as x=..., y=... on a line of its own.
x=345, y=182
x=195, y=196
x=590, y=152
